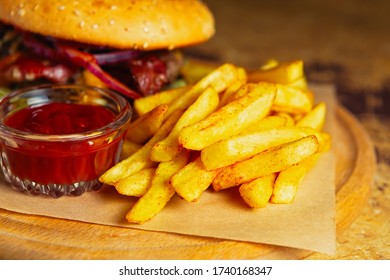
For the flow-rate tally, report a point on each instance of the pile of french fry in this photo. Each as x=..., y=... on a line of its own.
x=259, y=131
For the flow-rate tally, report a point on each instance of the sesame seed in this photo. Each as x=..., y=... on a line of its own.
x=95, y=26
x=112, y=22
x=146, y=29
x=36, y=6
x=113, y=7
x=76, y=12
x=81, y=24
x=145, y=45
x=21, y=12
x=61, y=8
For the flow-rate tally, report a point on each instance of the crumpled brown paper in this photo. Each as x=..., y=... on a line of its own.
x=307, y=223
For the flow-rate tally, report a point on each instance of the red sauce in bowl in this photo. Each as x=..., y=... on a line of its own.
x=58, y=140
x=61, y=161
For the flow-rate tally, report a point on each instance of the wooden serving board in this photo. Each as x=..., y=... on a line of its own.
x=34, y=237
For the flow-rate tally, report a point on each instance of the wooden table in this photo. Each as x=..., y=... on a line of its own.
x=346, y=43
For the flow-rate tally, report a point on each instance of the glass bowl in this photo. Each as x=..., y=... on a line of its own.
x=72, y=134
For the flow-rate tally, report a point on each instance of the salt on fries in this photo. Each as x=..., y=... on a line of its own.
x=259, y=131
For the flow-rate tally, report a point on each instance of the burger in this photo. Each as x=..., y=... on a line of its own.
x=132, y=47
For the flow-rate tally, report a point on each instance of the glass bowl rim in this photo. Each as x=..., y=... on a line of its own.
x=120, y=120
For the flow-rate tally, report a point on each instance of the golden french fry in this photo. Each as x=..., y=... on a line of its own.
x=238, y=148
x=291, y=100
x=300, y=83
x=271, y=63
x=136, y=184
x=147, y=125
x=297, y=117
x=284, y=73
x=289, y=119
x=168, y=148
x=230, y=120
x=244, y=89
x=287, y=183
x=139, y=159
x=311, y=161
x=269, y=122
x=315, y=118
x=219, y=78
x=91, y=80
x=265, y=163
x=230, y=90
x=192, y=180
x=257, y=193
x=194, y=70
x=145, y=104
x=160, y=191
x=242, y=74
x=129, y=148
x=326, y=141
x=289, y=180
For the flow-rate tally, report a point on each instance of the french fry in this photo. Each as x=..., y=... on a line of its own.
x=287, y=183
x=219, y=78
x=297, y=117
x=257, y=193
x=291, y=100
x=148, y=103
x=315, y=118
x=289, y=180
x=242, y=74
x=229, y=120
x=244, y=89
x=147, y=125
x=168, y=148
x=136, y=184
x=194, y=70
x=191, y=181
x=235, y=149
x=300, y=83
x=265, y=163
x=284, y=73
x=326, y=141
x=129, y=148
x=271, y=63
x=160, y=191
x=269, y=122
x=91, y=80
x=289, y=119
x=230, y=90
x=139, y=159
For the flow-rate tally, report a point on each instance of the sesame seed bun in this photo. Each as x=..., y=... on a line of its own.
x=137, y=24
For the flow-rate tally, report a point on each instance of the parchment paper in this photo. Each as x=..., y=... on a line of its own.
x=307, y=223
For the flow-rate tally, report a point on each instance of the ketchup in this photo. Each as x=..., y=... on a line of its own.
x=60, y=161
x=60, y=118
